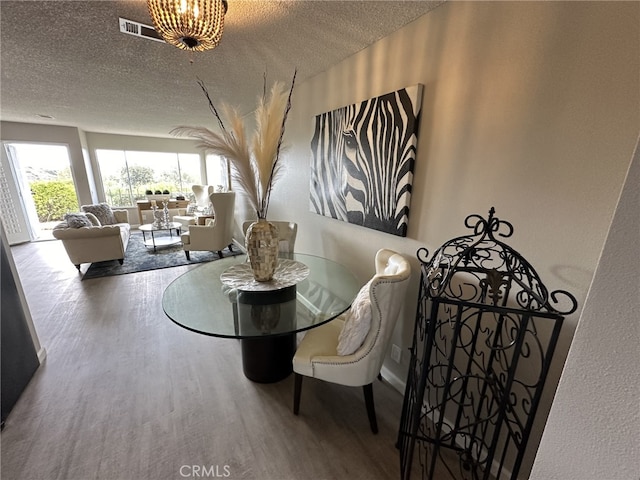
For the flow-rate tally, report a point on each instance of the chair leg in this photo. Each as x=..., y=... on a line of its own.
x=220, y=253
x=371, y=409
x=121, y=260
x=186, y=252
x=297, y=390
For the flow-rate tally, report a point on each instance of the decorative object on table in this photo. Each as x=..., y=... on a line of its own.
x=288, y=273
x=194, y=25
x=161, y=218
x=485, y=333
x=254, y=167
x=363, y=161
x=165, y=214
x=287, y=232
x=261, y=242
x=157, y=215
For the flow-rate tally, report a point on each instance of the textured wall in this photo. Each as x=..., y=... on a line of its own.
x=531, y=107
x=592, y=431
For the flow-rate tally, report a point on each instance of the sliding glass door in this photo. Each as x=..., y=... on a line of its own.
x=37, y=189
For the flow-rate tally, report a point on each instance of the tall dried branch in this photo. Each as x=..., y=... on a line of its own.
x=256, y=169
x=232, y=146
x=275, y=169
x=267, y=136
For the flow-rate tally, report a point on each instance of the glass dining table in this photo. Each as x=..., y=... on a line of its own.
x=221, y=299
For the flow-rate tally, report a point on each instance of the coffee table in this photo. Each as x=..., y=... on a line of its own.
x=161, y=240
x=265, y=320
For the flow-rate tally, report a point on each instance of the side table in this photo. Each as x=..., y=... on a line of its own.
x=202, y=219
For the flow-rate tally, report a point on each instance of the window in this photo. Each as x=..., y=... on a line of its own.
x=217, y=171
x=128, y=175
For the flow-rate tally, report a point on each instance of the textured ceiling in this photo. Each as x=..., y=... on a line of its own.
x=68, y=59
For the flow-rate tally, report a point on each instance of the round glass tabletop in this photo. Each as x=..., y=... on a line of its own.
x=199, y=300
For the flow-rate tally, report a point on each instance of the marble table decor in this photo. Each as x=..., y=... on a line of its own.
x=288, y=273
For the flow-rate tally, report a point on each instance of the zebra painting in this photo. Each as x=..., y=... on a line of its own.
x=363, y=159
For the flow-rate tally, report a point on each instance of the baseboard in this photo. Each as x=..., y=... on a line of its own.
x=42, y=355
x=393, y=380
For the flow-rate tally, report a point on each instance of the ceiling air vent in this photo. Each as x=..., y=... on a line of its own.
x=139, y=29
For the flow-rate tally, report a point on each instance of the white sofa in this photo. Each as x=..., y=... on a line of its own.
x=96, y=243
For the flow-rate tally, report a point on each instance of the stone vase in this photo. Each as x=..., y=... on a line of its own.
x=261, y=242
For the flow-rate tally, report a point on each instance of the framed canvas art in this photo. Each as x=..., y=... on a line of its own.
x=362, y=162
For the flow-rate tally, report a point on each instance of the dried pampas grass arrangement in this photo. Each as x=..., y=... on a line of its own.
x=255, y=164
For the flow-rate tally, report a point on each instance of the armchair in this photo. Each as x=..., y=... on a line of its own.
x=317, y=356
x=201, y=193
x=217, y=234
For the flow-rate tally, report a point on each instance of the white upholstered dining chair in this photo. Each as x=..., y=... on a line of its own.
x=344, y=351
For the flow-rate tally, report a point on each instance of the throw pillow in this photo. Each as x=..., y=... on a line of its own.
x=192, y=208
x=77, y=220
x=102, y=211
x=358, y=323
x=93, y=219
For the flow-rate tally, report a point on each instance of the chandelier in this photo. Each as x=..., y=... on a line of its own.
x=195, y=25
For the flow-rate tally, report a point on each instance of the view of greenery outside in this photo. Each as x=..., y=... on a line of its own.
x=53, y=199
x=127, y=176
x=44, y=171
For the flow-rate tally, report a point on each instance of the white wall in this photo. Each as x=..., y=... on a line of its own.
x=529, y=107
x=592, y=431
x=26, y=132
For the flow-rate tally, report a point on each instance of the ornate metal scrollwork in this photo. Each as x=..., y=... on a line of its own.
x=486, y=329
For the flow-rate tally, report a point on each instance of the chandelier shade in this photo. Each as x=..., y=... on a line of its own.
x=194, y=25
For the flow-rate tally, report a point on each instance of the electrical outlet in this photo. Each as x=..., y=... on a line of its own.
x=396, y=353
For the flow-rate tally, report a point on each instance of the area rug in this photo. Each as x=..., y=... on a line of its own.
x=139, y=258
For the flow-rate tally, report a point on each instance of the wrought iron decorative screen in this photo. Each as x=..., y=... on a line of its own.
x=484, y=337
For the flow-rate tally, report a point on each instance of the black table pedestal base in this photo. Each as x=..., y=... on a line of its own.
x=268, y=359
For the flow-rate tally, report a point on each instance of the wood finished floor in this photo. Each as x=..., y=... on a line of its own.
x=126, y=394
